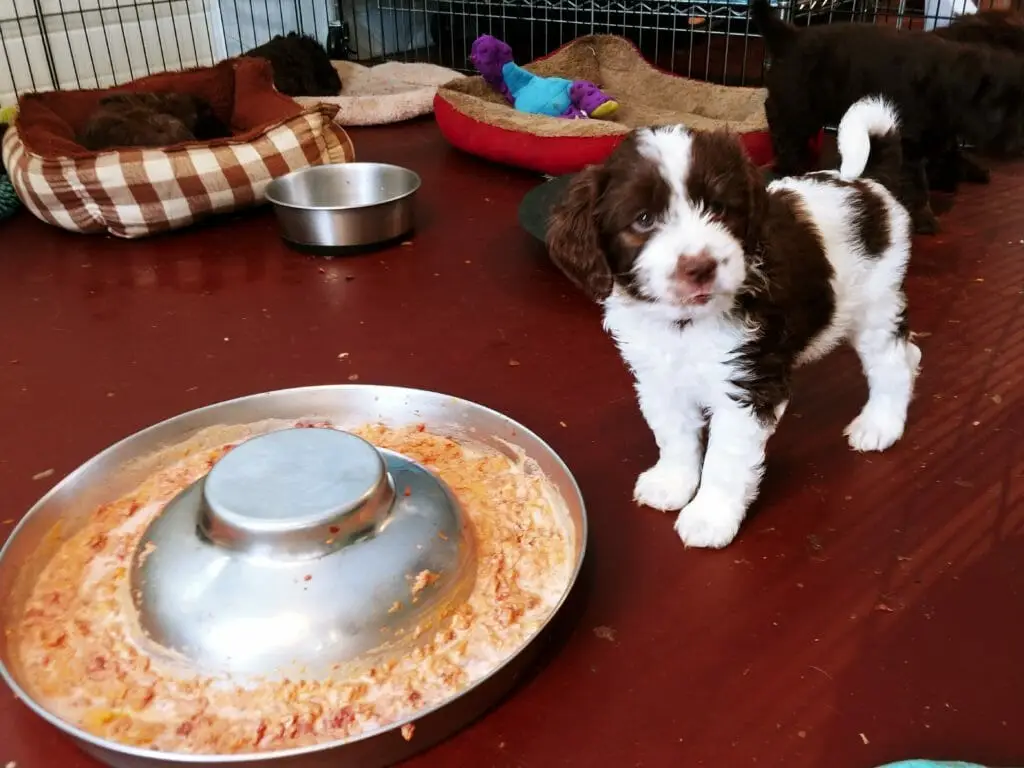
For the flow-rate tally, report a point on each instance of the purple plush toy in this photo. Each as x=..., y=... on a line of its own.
x=527, y=92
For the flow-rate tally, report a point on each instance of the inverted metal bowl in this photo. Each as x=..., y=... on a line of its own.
x=295, y=552
x=334, y=209
x=253, y=528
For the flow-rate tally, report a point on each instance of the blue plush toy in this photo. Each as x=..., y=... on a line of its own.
x=537, y=95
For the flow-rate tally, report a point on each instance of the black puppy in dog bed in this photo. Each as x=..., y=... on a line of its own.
x=145, y=119
x=301, y=65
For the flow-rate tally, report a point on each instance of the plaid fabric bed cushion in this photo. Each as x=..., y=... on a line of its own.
x=135, y=193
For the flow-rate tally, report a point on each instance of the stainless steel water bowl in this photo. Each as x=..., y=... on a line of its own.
x=291, y=555
x=333, y=209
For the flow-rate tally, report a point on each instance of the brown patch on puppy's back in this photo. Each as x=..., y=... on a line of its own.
x=871, y=219
x=790, y=302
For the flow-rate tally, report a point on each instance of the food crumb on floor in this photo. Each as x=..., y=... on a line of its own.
x=604, y=633
x=407, y=731
x=864, y=739
x=42, y=475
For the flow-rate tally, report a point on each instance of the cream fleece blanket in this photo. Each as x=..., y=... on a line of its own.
x=387, y=93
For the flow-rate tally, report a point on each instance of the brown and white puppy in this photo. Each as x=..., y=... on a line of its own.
x=716, y=287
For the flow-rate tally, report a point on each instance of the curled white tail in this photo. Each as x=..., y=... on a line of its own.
x=872, y=116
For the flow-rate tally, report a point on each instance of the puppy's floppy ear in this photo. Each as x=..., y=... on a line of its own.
x=757, y=204
x=574, y=237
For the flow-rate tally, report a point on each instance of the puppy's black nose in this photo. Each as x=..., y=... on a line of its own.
x=698, y=269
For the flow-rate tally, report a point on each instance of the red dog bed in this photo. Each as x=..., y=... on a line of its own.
x=474, y=118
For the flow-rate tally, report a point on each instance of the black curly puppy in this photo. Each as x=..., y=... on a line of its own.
x=942, y=90
x=147, y=119
x=301, y=65
x=1001, y=30
x=996, y=29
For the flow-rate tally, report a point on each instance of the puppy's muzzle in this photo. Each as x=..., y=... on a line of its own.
x=694, y=277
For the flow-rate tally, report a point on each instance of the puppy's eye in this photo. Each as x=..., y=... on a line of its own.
x=715, y=208
x=644, y=222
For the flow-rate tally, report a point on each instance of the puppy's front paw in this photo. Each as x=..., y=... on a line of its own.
x=665, y=486
x=875, y=429
x=913, y=358
x=708, y=522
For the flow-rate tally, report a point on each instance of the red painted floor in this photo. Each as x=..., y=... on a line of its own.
x=869, y=611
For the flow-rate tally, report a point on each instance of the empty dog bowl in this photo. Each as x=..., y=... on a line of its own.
x=334, y=209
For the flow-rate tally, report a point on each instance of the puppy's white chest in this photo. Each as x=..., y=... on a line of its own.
x=694, y=361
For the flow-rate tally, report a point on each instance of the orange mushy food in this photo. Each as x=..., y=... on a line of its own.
x=85, y=658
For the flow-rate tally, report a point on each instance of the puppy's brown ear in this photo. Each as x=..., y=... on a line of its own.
x=757, y=204
x=574, y=238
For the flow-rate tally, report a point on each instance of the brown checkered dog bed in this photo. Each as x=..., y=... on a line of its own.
x=135, y=192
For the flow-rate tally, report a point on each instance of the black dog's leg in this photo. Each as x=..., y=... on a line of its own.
x=914, y=194
x=791, y=141
x=944, y=168
x=950, y=166
x=972, y=171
